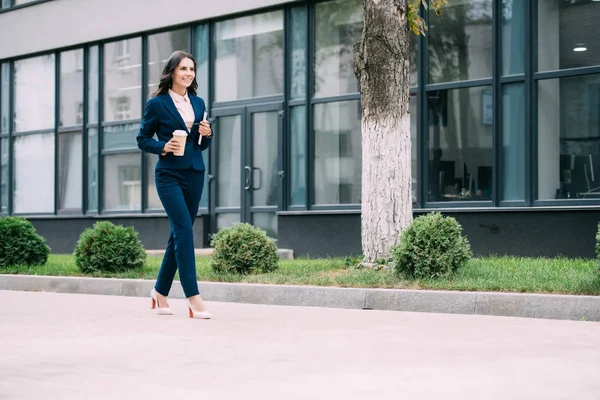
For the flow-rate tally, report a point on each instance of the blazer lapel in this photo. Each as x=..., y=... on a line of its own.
x=170, y=105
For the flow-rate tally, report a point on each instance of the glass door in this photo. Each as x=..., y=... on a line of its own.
x=246, y=185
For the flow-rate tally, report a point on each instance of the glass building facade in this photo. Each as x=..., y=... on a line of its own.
x=504, y=103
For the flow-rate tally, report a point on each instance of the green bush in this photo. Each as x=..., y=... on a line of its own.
x=431, y=246
x=20, y=243
x=243, y=249
x=109, y=248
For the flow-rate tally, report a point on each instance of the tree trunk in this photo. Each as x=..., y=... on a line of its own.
x=381, y=64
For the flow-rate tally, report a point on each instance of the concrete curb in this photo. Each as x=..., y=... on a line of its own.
x=563, y=307
x=285, y=254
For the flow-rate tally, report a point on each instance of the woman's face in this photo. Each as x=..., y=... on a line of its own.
x=184, y=73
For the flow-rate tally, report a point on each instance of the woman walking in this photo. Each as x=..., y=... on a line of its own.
x=178, y=118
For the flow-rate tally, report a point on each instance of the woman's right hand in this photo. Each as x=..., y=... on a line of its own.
x=171, y=146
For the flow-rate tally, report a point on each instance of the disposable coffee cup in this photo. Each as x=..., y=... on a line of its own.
x=181, y=137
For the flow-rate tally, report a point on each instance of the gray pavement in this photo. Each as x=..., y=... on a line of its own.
x=72, y=346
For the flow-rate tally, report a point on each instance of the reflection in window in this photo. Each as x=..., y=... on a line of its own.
x=513, y=36
x=413, y=144
x=34, y=181
x=92, y=178
x=122, y=182
x=513, y=142
x=120, y=136
x=338, y=25
x=93, y=85
x=122, y=79
x=160, y=48
x=460, y=144
x=153, y=199
x=298, y=58
x=338, y=153
x=71, y=88
x=69, y=171
x=460, y=42
x=249, y=60
x=569, y=138
x=298, y=156
x=567, y=34
x=229, y=161
x=202, y=61
x=4, y=96
x=4, y=175
x=34, y=94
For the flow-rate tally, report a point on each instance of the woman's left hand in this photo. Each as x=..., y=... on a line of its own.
x=205, y=129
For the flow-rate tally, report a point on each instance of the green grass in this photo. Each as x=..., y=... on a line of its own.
x=498, y=274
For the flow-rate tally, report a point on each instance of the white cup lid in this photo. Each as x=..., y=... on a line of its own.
x=180, y=133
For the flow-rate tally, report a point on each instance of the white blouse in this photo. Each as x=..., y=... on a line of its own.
x=184, y=106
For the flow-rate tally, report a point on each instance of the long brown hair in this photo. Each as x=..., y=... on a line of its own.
x=166, y=79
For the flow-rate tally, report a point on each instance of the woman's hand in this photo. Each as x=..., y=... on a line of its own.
x=171, y=146
x=205, y=129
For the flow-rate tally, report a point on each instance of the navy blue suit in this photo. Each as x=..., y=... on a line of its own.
x=179, y=183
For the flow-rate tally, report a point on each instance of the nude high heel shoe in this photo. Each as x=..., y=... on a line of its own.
x=161, y=310
x=197, y=314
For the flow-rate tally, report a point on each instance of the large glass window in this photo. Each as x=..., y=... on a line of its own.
x=69, y=171
x=4, y=175
x=71, y=88
x=93, y=75
x=123, y=80
x=513, y=36
x=122, y=103
x=160, y=48
x=298, y=156
x=249, y=60
x=5, y=4
x=92, y=175
x=513, y=142
x=460, y=42
x=122, y=182
x=338, y=25
x=338, y=153
x=414, y=118
x=202, y=60
x=34, y=85
x=569, y=138
x=4, y=97
x=460, y=144
x=567, y=34
x=298, y=56
x=34, y=181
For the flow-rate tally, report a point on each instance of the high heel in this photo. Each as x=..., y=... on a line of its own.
x=197, y=314
x=161, y=310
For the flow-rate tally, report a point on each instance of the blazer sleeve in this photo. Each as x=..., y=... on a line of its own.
x=145, y=137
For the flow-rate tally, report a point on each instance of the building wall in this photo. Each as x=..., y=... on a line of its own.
x=62, y=23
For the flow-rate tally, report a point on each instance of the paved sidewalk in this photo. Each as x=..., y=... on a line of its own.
x=67, y=346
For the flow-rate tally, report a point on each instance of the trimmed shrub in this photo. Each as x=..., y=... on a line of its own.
x=109, y=248
x=431, y=246
x=20, y=243
x=243, y=249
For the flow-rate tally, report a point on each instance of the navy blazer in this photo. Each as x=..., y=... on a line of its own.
x=162, y=118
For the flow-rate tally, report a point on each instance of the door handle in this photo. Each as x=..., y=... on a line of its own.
x=248, y=180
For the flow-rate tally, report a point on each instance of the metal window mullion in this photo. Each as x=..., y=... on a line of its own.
x=422, y=115
x=530, y=119
x=100, y=132
x=497, y=165
x=84, y=132
x=11, y=121
x=310, y=80
x=143, y=155
x=56, y=125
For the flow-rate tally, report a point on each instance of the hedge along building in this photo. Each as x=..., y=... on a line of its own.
x=505, y=111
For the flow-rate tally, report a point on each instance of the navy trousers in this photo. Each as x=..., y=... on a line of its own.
x=180, y=192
